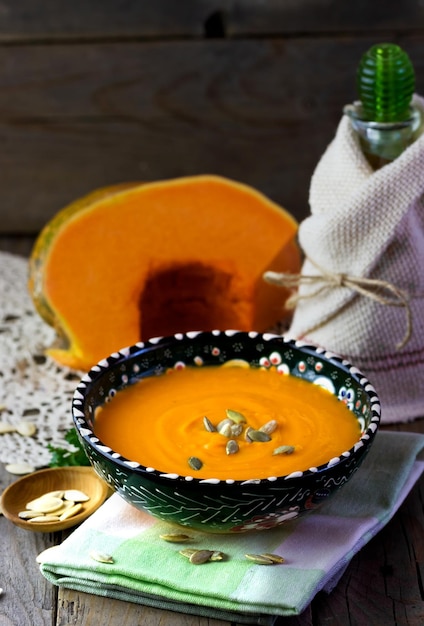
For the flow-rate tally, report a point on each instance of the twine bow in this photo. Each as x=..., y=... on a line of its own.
x=380, y=291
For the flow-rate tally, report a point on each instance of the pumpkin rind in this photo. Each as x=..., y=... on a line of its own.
x=179, y=253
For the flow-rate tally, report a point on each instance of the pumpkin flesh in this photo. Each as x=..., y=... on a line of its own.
x=160, y=258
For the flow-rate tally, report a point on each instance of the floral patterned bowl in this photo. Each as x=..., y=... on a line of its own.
x=214, y=505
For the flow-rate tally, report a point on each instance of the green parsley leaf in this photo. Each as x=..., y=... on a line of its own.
x=62, y=457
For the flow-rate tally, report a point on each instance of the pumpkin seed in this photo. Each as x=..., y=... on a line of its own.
x=232, y=447
x=58, y=493
x=50, y=507
x=269, y=427
x=66, y=505
x=260, y=559
x=28, y=514
x=200, y=556
x=6, y=428
x=247, y=434
x=224, y=422
x=258, y=435
x=26, y=429
x=236, y=416
x=187, y=552
x=284, y=450
x=101, y=557
x=208, y=425
x=45, y=504
x=19, y=468
x=275, y=558
x=71, y=511
x=236, y=429
x=204, y=556
x=45, y=519
x=175, y=537
x=226, y=431
x=75, y=495
x=195, y=463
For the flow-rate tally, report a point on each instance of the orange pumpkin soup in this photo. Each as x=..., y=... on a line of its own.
x=183, y=422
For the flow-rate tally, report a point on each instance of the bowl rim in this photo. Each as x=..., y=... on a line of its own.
x=99, y=370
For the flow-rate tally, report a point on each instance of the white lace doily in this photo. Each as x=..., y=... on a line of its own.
x=33, y=387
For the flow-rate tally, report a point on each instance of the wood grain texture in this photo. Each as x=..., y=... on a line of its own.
x=26, y=599
x=194, y=18
x=73, y=118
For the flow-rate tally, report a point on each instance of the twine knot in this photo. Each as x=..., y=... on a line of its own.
x=381, y=291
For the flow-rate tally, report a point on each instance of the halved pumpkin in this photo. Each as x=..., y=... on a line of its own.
x=136, y=261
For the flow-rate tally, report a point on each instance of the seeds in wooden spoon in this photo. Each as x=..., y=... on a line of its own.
x=52, y=507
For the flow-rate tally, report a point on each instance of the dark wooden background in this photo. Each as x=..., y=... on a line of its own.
x=94, y=92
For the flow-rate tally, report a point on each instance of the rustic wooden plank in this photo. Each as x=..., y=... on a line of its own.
x=54, y=19
x=95, y=610
x=28, y=599
x=73, y=118
x=312, y=16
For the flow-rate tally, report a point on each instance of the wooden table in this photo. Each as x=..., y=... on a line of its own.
x=382, y=586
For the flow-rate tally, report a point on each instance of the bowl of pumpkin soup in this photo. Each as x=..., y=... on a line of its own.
x=225, y=431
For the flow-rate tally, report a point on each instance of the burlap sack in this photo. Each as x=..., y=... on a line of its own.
x=367, y=224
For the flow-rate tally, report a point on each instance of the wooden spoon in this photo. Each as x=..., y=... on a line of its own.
x=16, y=496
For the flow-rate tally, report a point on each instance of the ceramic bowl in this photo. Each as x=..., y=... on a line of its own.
x=224, y=505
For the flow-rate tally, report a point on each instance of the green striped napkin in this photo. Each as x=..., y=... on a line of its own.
x=316, y=548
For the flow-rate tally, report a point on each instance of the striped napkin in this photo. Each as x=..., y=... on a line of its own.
x=316, y=548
